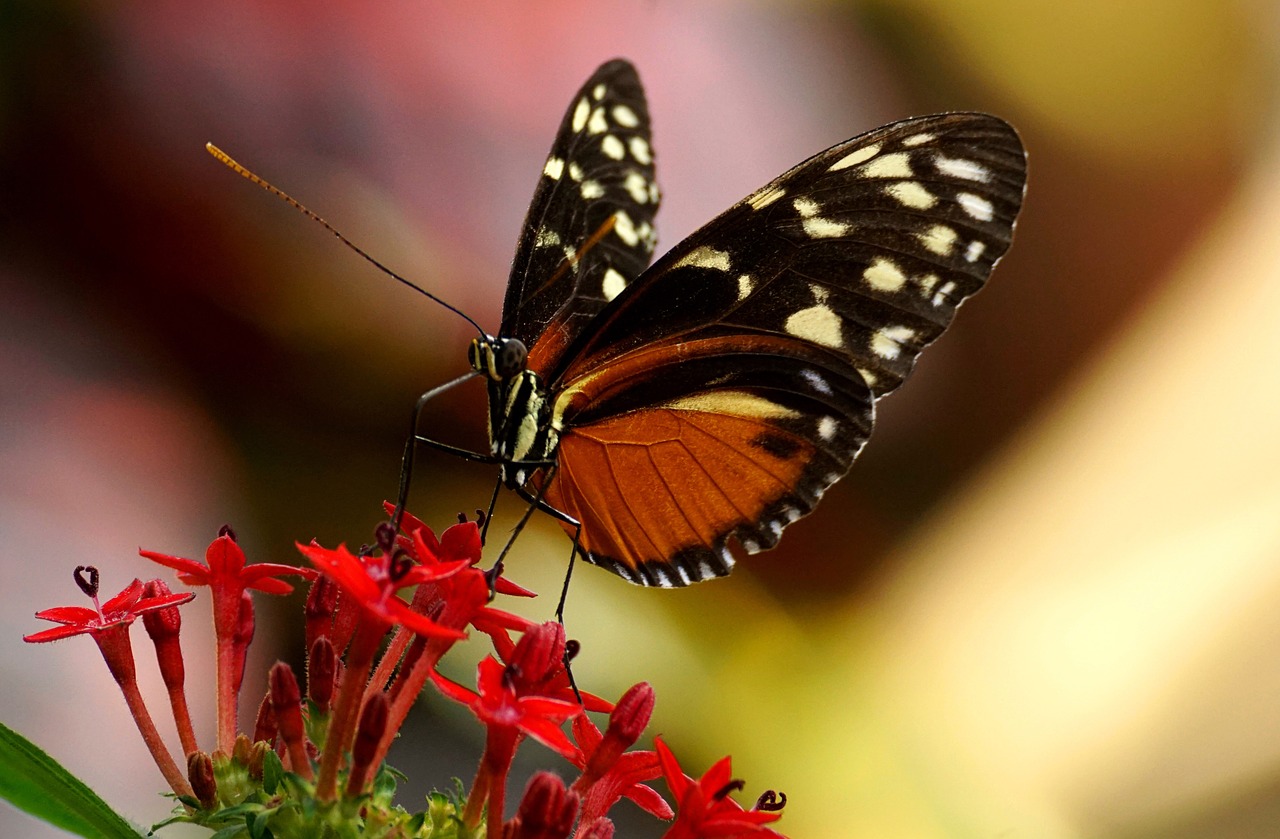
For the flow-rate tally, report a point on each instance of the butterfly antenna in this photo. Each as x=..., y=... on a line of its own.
x=231, y=164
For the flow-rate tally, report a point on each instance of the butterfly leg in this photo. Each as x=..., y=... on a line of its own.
x=410, y=445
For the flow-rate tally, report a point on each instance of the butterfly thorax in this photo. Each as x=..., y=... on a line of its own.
x=521, y=433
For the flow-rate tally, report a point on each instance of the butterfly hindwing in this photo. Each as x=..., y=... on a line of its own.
x=724, y=389
x=589, y=231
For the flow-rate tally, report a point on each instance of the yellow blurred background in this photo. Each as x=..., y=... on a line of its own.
x=1044, y=602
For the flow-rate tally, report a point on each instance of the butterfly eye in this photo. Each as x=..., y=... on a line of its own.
x=510, y=355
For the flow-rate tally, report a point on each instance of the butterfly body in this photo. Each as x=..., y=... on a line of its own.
x=713, y=397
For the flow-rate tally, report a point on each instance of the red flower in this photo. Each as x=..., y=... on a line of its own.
x=704, y=807
x=122, y=609
x=372, y=583
x=228, y=578
x=503, y=711
x=609, y=772
x=226, y=570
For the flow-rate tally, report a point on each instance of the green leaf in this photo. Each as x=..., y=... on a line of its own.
x=34, y=782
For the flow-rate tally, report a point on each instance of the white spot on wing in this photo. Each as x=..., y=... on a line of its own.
x=597, y=124
x=855, y=157
x=939, y=239
x=592, y=190
x=640, y=150
x=887, y=342
x=927, y=282
x=917, y=139
x=944, y=293
x=911, y=194
x=575, y=171
x=974, y=251
x=580, y=113
x=745, y=285
x=625, y=117
x=547, y=238
x=625, y=228
x=637, y=186
x=816, y=381
x=818, y=324
x=554, y=168
x=958, y=167
x=612, y=147
x=883, y=275
x=613, y=284
x=976, y=206
x=827, y=428
x=706, y=257
x=597, y=92
x=896, y=165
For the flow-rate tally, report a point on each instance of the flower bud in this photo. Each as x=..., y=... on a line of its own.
x=322, y=673
x=200, y=773
x=546, y=811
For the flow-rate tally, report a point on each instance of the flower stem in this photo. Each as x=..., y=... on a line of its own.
x=347, y=706
x=118, y=653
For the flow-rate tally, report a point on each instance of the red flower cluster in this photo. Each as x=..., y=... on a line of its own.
x=335, y=742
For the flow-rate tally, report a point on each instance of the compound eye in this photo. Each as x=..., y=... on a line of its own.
x=511, y=357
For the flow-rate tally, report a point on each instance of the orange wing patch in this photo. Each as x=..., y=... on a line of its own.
x=624, y=477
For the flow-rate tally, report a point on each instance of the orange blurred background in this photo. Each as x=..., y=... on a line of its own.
x=1044, y=602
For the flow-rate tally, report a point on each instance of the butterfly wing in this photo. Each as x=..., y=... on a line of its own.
x=589, y=231
x=724, y=390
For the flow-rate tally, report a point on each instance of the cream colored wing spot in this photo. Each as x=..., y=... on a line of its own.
x=917, y=140
x=640, y=150
x=625, y=228
x=745, y=286
x=974, y=250
x=597, y=92
x=705, y=257
x=887, y=342
x=738, y=403
x=958, y=167
x=547, y=238
x=819, y=324
x=612, y=284
x=944, y=293
x=580, y=113
x=625, y=117
x=637, y=186
x=895, y=165
x=827, y=428
x=815, y=226
x=612, y=147
x=591, y=190
x=855, y=157
x=597, y=124
x=554, y=168
x=976, y=206
x=939, y=239
x=911, y=194
x=883, y=275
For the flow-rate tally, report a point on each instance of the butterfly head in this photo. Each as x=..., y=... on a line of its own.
x=498, y=359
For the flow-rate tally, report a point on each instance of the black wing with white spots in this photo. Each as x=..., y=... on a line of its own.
x=720, y=393
x=589, y=231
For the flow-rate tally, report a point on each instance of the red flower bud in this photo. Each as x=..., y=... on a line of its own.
x=286, y=700
x=546, y=811
x=322, y=603
x=200, y=773
x=265, y=728
x=322, y=673
x=373, y=724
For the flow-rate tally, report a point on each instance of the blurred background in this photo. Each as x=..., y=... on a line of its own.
x=1044, y=602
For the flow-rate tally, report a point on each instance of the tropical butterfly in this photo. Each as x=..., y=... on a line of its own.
x=665, y=411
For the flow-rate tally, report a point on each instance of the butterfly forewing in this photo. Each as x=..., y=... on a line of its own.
x=589, y=232
x=724, y=389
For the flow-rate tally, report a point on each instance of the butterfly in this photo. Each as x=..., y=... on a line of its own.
x=665, y=411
